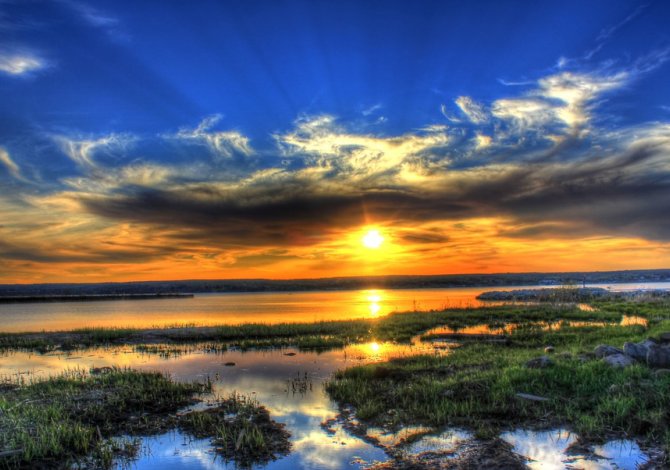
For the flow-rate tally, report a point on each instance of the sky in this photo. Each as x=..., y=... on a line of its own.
x=296, y=139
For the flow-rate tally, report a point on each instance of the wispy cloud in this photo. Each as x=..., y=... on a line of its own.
x=330, y=147
x=473, y=110
x=223, y=143
x=99, y=19
x=557, y=102
x=83, y=151
x=10, y=165
x=19, y=63
x=608, y=32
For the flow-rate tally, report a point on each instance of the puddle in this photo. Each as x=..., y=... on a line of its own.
x=448, y=442
x=550, y=450
x=508, y=328
x=621, y=454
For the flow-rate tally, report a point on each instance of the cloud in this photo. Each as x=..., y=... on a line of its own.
x=328, y=147
x=223, y=143
x=99, y=19
x=606, y=33
x=449, y=116
x=20, y=63
x=83, y=151
x=560, y=103
x=482, y=141
x=475, y=112
x=9, y=164
x=621, y=192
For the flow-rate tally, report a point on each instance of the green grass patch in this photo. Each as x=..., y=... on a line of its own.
x=56, y=422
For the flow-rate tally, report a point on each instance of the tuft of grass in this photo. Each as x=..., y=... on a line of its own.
x=241, y=430
x=58, y=421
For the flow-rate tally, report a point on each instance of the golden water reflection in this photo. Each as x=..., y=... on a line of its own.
x=233, y=309
x=509, y=328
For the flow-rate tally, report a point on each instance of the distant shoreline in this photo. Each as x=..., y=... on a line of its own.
x=180, y=287
x=87, y=298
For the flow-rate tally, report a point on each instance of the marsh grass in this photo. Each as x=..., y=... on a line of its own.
x=240, y=429
x=476, y=384
x=52, y=423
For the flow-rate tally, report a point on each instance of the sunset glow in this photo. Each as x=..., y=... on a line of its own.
x=320, y=151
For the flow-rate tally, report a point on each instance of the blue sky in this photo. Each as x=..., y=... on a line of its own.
x=183, y=120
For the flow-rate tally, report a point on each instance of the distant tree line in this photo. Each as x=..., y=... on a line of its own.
x=340, y=283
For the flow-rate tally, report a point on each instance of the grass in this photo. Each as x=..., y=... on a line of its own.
x=240, y=429
x=476, y=385
x=75, y=418
x=56, y=421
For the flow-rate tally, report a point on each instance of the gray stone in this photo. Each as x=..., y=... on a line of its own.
x=637, y=351
x=619, y=360
x=539, y=363
x=605, y=350
x=658, y=355
x=664, y=337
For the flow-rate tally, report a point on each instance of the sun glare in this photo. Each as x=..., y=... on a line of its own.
x=372, y=239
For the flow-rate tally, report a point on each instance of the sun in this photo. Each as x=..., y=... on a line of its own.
x=372, y=239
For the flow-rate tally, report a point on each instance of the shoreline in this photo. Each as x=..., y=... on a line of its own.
x=19, y=299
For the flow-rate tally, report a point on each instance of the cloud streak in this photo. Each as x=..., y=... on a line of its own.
x=15, y=63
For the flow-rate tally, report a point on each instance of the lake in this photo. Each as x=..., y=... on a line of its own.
x=236, y=308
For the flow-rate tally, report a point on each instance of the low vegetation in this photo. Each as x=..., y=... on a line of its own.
x=240, y=429
x=75, y=419
x=478, y=384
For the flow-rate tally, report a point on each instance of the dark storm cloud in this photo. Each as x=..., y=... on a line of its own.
x=626, y=194
x=49, y=254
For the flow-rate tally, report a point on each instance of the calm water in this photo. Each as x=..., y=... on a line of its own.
x=209, y=309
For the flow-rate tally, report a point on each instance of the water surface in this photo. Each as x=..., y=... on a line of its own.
x=236, y=308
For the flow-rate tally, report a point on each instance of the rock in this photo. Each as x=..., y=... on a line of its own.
x=618, y=360
x=658, y=355
x=528, y=396
x=661, y=373
x=637, y=351
x=664, y=337
x=539, y=363
x=549, y=349
x=604, y=350
x=229, y=364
